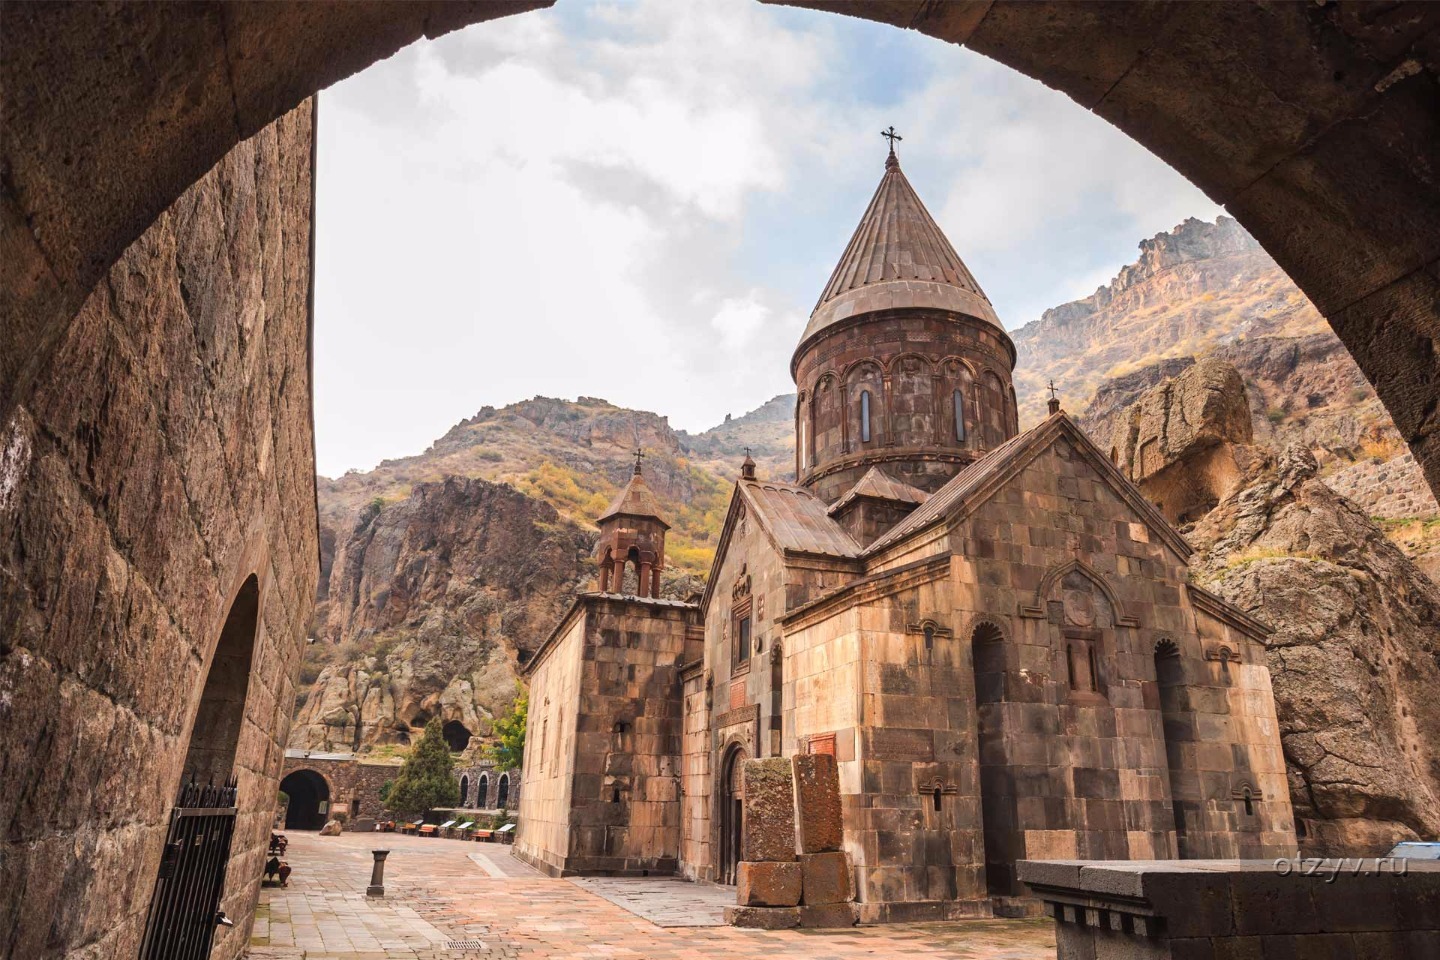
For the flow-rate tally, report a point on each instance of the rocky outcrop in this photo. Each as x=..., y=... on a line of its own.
x=1181, y=439
x=1355, y=656
x=1192, y=290
x=430, y=604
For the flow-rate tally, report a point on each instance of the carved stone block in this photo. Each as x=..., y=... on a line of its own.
x=817, y=803
x=768, y=832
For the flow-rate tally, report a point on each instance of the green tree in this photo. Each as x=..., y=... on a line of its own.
x=508, y=750
x=427, y=778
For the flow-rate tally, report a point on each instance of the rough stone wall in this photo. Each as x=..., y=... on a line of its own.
x=1394, y=489
x=354, y=785
x=1073, y=751
x=896, y=708
x=697, y=860
x=911, y=363
x=625, y=800
x=165, y=458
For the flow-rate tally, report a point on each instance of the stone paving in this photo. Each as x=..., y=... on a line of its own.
x=450, y=900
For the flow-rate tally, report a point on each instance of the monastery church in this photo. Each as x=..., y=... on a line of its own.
x=993, y=633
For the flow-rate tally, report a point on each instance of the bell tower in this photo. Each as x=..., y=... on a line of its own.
x=632, y=535
x=904, y=365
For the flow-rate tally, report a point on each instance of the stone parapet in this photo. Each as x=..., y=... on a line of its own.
x=1377, y=909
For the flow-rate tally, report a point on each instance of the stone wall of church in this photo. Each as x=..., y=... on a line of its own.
x=615, y=702
x=160, y=477
x=911, y=364
x=1065, y=594
x=878, y=677
x=543, y=833
x=697, y=859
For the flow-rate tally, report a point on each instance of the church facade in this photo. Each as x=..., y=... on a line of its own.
x=991, y=630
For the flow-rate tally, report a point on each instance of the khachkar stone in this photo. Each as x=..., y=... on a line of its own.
x=768, y=831
x=817, y=803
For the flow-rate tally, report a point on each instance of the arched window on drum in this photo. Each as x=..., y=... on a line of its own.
x=957, y=403
x=864, y=416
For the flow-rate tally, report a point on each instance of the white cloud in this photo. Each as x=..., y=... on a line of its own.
x=640, y=201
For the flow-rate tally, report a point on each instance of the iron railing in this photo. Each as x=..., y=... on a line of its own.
x=185, y=909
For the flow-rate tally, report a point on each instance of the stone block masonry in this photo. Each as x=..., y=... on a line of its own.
x=769, y=884
x=157, y=491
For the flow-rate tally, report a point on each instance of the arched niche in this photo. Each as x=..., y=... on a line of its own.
x=220, y=716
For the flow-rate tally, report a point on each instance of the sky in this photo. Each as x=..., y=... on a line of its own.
x=641, y=201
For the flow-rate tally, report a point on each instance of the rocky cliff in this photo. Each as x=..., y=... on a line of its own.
x=428, y=605
x=442, y=571
x=1355, y=656
x=1193, y=288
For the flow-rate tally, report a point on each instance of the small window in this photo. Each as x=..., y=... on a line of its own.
x=864, y=416
x=1249, y=803
x=929, y=636
x=937, y=798
x=959, y=403
x=743, y=637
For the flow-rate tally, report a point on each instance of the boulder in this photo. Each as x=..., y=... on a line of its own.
x=1354, y=659
x=332, y=828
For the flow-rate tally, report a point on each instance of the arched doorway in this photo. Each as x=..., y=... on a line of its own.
x=997, y=800
x=309, y=800
x=216, y=732
x=482, y=794
x=1170, y=677
x=457, y=736
x=502, y=792
x=464, y=790
x=731, y=814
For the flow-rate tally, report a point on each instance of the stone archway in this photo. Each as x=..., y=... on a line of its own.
x=215, y=735
x=1313, y=123
x=309, y=794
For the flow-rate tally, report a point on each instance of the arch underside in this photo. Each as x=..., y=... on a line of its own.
x=1314, y=125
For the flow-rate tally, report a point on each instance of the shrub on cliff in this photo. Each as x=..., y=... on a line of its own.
x=427, y=778
x=508, y=750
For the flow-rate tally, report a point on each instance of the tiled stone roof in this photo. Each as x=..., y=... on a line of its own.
x=797, y=520
x=636, y=500
x=880, y=485
x=898, y=257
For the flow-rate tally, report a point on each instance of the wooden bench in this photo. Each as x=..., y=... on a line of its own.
x=483, y=836
x=428, y=830
x=412, y=827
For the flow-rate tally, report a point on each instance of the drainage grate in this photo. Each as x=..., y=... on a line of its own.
x=465, y=945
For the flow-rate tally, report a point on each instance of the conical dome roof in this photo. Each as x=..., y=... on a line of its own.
x=636, y=500
x=898, y=257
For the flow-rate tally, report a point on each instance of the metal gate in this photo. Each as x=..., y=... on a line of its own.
x=186, y=907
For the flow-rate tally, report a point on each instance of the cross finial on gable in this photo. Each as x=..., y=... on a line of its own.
x=1054, y=403
x=639, y=455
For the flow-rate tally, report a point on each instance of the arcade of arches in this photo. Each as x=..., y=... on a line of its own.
x=1313, y=123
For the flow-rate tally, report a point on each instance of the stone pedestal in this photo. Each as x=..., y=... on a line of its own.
x=377, y=874
x=825, y=878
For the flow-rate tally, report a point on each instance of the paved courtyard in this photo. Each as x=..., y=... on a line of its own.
x=448, y=900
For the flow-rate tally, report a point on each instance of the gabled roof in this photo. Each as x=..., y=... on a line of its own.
x=635, y=500
x=977, y=481
x=796, y=519
x=898, y=257
x=879, y=485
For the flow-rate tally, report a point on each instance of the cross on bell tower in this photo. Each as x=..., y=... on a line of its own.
x=892, y=136
x=1054, y=402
